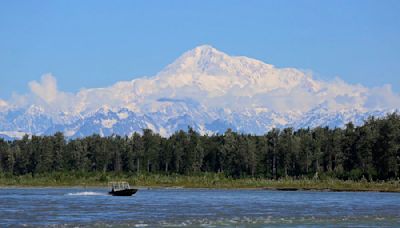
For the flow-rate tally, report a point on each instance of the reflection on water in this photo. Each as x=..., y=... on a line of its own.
x=193, y=208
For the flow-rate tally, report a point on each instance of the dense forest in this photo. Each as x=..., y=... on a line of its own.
x=370, y=151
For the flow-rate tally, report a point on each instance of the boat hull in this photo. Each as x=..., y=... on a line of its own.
x=125, y=192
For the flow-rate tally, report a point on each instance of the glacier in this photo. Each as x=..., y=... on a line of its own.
x=205, y=89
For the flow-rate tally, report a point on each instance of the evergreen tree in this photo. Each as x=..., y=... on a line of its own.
x=194, y=152
x=371, y=151
x=9, y=160
x=58, y=151
x=151, y=144
x=351, y=157
x=272, y=151
x=137, y=148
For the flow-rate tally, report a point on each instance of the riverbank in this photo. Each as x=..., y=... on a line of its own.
x=207, y=180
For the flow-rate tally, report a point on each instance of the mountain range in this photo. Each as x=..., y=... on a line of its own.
x=205, y=89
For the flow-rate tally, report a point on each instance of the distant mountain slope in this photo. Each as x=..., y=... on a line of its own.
x=204, y=88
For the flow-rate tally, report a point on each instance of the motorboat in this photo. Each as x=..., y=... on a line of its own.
x=121, y=188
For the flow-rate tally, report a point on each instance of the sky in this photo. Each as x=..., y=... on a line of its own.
x=87, y=44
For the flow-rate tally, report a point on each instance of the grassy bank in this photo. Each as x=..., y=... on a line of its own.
x=208, y=180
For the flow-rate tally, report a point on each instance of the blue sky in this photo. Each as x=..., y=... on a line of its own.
x=88, y=44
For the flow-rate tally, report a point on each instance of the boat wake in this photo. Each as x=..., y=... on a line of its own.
x=86, y=194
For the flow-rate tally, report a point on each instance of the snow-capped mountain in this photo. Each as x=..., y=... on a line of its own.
x=205, y=89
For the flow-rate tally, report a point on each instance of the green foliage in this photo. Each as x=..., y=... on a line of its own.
x=199, y=180
x=369, y=152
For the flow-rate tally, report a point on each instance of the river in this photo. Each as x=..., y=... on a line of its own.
x=71, y=207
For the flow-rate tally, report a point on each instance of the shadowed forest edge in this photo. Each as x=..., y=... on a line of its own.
x=367, y=153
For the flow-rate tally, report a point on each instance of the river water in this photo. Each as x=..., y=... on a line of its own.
x=73, y=207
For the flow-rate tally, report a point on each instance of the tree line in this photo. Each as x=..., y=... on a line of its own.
x=370, y=151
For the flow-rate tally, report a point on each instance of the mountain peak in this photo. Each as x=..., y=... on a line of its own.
x=204, y=51
x=205, y=59
x=206, y=89
x=205, y=47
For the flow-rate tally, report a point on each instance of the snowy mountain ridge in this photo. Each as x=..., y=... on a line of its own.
x=204, y=88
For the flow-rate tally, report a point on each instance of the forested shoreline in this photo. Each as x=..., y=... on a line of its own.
x=369, y=152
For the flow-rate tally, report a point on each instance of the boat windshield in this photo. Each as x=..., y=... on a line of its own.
x=119, y=186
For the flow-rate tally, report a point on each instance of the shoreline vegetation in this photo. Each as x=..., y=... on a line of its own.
x=207, y=180
x=353, y=158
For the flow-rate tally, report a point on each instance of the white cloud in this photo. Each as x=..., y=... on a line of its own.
x=46, y=89
x=382, y=98
x=45, y=95
x=3, y=105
